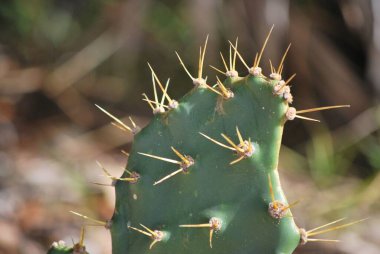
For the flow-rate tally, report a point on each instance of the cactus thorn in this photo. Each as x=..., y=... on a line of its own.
x=124, y=152
x=169, y=176
x=244, y=149
x=213, y=67
x=256, y=70
x=281, y=64
x=133, y=122
x=271, y=189
x=231, y=71
x=293, y=113
x=223, y=60
x=322, y=240
x=133, y=179
x=254, y=61
x=321, y=108
x=158, y=109
x=257, y=63
x=233, y=67
x=292, y=205
x=147, y=229
x=237, y=160
x=202, y=59
x=315, y=232
x=106, y=224
x=226, y=93
x=185, y=163
x=148, y=100
x=223, y=91
x=224, y=64
x=274, y=75
x=277, y=209
x=184, y=158
x=155, y=91
x=271, y=66
x=164, y=90
x=119, y=124
x=103, y=184
x=140, y=231
x=105, y=171
x=230, y=56
x=81, y=241
x=214, y=90
x=172, y=104
x=239, y=55
x=239, y=135
x=215, y=224
x=184, y=66
x=155, y=235
x=79, y=247
x=217, y=142
x=161, y=158
x=154, y=103
x=199, y=81
x=236, y=147
x=308, y=118
x=306, y=234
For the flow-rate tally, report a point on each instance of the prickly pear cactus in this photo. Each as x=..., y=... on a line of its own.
x=202, y=176
x=205, y=162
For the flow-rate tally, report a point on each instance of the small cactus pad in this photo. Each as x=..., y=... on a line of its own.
x=61, y=248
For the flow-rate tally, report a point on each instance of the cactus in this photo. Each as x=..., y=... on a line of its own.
x=202, y=176
x=61, y=248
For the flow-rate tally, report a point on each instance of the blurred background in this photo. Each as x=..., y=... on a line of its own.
x=59, y=57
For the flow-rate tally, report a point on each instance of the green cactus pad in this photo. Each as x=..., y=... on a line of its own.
x=238, y=195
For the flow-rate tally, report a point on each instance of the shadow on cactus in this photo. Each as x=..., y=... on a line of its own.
x=202, y=176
